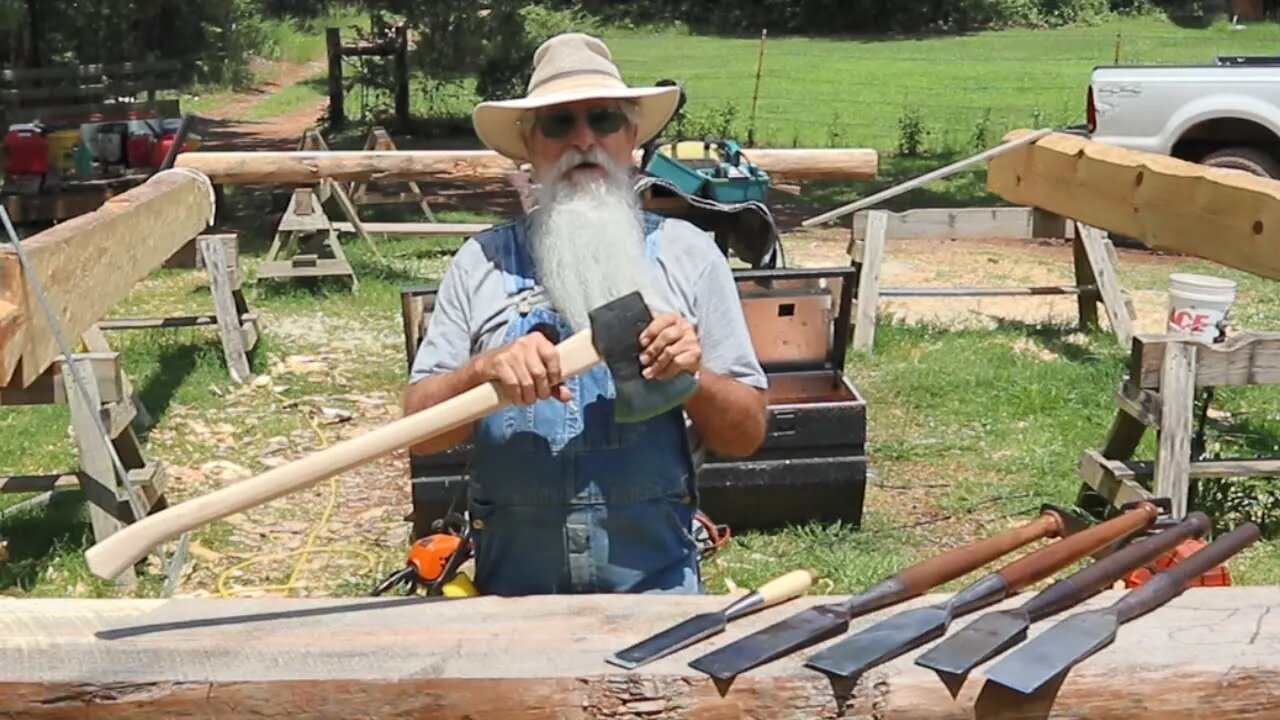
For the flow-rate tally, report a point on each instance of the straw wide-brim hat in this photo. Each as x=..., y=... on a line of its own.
x=568, y=68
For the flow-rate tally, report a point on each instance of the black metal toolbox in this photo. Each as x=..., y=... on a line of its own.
x=812, y=465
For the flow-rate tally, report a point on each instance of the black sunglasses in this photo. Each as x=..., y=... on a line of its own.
x=558, y=124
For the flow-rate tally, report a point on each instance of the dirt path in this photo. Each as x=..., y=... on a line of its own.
x=225, y=129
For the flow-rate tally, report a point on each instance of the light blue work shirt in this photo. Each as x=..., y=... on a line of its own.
x=561, y=497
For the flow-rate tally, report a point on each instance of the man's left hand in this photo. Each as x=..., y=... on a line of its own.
x=668, y=346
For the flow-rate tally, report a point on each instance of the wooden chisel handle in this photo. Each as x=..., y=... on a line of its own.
x=1045, y=562
x=1095, y=578
x=952, y=564
x=1170, y=583
x=112, y=556
x=792, y=585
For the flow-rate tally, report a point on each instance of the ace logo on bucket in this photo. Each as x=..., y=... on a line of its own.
x=1198, y=304
x=1191, y=321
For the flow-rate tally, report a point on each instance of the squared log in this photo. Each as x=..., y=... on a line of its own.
x=1207, y=654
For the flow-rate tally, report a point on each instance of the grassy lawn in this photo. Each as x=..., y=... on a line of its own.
x=971, y=427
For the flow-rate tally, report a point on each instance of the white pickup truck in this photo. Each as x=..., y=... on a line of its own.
x=1225, y=114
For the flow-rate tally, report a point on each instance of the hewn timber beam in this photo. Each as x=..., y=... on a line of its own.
x=302, y=167
x=1210, y=653
x=1226, y=216
x=90, y=262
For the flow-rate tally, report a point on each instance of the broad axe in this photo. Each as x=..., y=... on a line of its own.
x=613, y=338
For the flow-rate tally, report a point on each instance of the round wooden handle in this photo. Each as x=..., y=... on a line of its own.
x=952, y=564
x=793, y=584
x=112, y=556
x=1045, y=562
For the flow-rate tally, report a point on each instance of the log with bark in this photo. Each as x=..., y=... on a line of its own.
x=90, y=262
x=1208, y=654
x=303, y=167
x=1227, y=216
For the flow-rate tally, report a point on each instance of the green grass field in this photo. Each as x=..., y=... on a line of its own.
x=970, y=429
x=819, y=92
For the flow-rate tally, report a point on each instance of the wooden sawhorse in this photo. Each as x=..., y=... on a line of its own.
x=1164, y=373
x=1094, y=260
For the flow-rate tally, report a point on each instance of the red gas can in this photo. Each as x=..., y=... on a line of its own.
x=139, y=150
x=161, y=148
x=26, y=151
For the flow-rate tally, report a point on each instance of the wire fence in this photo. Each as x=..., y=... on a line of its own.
x=929, y=95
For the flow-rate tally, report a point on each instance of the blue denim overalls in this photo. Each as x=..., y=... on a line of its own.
x=564, y=500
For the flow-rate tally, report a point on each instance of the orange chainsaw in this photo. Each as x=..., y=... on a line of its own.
x=434, y=561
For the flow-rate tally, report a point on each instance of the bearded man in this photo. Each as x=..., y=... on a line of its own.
x=563, y=499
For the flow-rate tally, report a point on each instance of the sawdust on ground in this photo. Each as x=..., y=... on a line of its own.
x=988, y=263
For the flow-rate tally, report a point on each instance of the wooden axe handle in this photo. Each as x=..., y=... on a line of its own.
x=130, y=544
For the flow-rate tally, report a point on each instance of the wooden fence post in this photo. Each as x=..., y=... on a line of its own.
x=401, y=62
x=337, y=115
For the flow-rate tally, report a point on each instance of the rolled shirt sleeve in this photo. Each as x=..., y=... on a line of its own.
x=447, y=343
x=722, y=327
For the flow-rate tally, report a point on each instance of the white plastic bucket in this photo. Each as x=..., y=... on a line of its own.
x=1197, y=303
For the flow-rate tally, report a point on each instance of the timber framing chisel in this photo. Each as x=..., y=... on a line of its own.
x=910, y=629
x=996, y=632
x=1066, y=644
x=701, y=627
x=814, y=625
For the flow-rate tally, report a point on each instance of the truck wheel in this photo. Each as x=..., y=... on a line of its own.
x=1248, y=159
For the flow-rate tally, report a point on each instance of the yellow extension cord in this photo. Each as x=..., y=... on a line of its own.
x=307, y=549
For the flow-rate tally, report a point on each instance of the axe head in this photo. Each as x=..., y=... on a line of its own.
x=615, y=332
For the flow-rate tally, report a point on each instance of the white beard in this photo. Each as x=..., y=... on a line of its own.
x=588, y=240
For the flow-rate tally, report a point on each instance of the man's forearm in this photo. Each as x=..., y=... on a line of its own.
x=434, y=390
x=730, y=416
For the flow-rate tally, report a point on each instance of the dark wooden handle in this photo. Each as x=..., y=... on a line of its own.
x=952, y=564
x=1086, y=583
x=1043, y=563
x=1169, y=584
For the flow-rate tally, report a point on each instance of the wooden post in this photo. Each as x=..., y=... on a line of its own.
x=224, y=305
x=864, y=329
x=1177, y=393
x=333, y=41
x=1086, y=301
x=400, y=61
x=1100, y=255
x=98, y=479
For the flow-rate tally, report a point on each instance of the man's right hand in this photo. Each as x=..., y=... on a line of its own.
x=526, y=370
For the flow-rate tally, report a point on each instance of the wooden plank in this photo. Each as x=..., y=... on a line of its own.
x=95, y=112
x=412, y=310
x=71, y=72
x=1141, y=405
x=48, y=388
x=1119, y=311
x=1250, y=358
x=1108, y=479
x=1086, y=304
x=99, y=481
x=303, y=167
x=1177, y=404
x=90, y=262
x=1225, y=216
x=229, y=323
x=320, y=268
x=542, y=658
x=952, y=223
x=1218, y=469
x=1124, y=436
x=864, y=328
x=415, y=228
x=39, y=483
x=100, y=92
